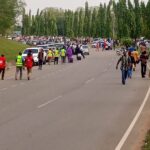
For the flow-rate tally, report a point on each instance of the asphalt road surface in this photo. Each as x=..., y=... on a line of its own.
x=79, y=106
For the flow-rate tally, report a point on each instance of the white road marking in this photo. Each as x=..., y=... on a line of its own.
x=22, y=83
x=128, y=131
x=14, y=85
x=3, y=89
x=51, y=101
x=90, y=80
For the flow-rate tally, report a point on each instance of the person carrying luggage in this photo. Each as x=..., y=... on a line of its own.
x=69, y=54
x=79, y=52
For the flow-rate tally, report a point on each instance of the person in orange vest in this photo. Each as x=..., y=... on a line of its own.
x=2, y=66
x=135, y=55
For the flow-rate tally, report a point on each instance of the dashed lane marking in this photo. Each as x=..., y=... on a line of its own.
x=89, y=81
x=51, y=101
x=13, y=86
x=3, y=89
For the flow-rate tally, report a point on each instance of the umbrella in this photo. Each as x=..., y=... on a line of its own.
x=131, y=49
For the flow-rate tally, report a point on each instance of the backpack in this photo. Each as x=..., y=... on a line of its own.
x=29, y=62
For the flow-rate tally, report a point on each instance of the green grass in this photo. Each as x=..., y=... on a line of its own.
x=147, y=142
x=10, y=48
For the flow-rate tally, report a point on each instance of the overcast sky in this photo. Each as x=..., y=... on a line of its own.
x=66, y=4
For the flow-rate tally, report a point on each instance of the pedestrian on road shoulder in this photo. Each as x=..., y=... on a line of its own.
x=2, y=66
x=29, y=61
x=19, y=66
x=143, y=59
x=40, y=57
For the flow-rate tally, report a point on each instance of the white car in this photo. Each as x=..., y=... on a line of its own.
x=35, y=51
x=85, y=49
x=94, y=44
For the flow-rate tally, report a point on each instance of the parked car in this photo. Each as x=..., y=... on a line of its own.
x=85, y=49
x=94, y=44
x=35, y=52
x=59, y=45
x=44, y=47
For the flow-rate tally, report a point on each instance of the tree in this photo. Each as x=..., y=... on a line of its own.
x=9, y=10
x=93, y=23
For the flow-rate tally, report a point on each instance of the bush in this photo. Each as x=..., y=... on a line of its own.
x=147, y=142
x=126, y=42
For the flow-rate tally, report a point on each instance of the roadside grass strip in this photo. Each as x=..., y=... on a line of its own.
x=146, y=145
x=11, y=48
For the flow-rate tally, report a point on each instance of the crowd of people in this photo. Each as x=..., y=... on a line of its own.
x=52, y=56
x=129, y=61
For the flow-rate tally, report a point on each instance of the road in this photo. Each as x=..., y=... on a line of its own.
x=79, y=106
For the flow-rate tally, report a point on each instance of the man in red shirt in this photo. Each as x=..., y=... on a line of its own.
x=2, y=65
x=29, y=64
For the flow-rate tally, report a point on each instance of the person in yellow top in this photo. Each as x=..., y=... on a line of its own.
x=50, y=56
x=19, y=65
x=63, y=55
x=135, y=55
x=56, y=56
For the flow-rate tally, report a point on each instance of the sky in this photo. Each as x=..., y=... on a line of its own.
x=65, y=4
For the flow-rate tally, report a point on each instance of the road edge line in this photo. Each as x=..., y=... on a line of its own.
x=128, y=131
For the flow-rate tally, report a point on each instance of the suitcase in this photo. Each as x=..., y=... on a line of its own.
x=78, y=57
x=71, y=60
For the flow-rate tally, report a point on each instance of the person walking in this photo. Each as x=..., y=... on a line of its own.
x=56, y=56
x=19, y=66
x=143, y=60
x=2, y=66
x=97, y=47
x=69, y=54
x=50, y=56
x=40, y=57
x=130, y=65
x=124, y=66
x=135, y=54
x=29, y=61
x=63, y=55
x=79, y=52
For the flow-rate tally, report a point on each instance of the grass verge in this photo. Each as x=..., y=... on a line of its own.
x=146, y=145
x=10, y=48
